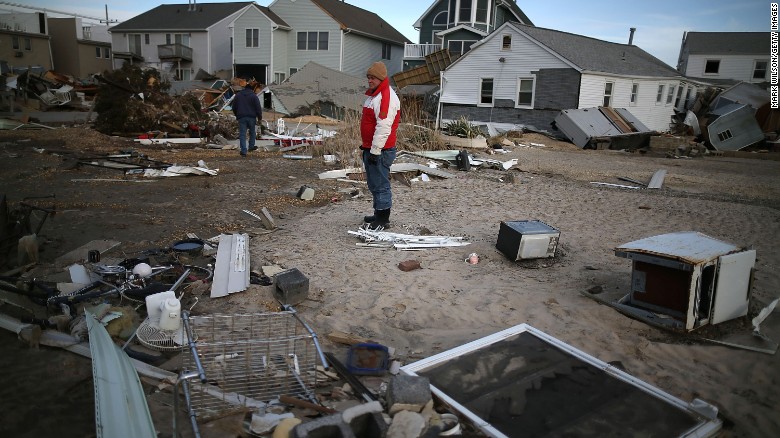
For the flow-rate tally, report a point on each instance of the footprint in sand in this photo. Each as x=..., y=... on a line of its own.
x=390, y=312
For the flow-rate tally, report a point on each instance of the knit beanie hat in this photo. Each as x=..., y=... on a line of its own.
x=378, y=70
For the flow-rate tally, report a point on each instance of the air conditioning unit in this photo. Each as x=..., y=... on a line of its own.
x=18, y=54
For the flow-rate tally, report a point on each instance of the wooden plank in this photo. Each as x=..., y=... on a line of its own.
x=346, y=338
x=616, y=119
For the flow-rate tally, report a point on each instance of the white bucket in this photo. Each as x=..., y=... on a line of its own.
x=171, y=314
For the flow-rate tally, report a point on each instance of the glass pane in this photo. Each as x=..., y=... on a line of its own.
x=486, y=93
x=608, y=88
x=97, y=52
x=249, y=38
x=451, y=16
x=482, y=6
x=323, y=43
x=301, y=40
x=312, y=41
x=465, y=11
x=526, y=85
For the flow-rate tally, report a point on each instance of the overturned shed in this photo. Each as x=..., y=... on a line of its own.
x=603, y=128
x=733, y=127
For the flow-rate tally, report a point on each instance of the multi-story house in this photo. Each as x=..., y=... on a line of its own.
x=24, y=41
x=725, y=57
x=79, y=49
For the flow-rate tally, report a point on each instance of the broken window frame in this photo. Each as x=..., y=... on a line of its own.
x=486, y=94
x=634, y=93
x=712, y=66
x=252, y=38
x=520, y=103
x=757, y=69
x=609, y=91
x=660, y=94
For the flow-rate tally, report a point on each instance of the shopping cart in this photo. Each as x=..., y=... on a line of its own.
x=249, y=359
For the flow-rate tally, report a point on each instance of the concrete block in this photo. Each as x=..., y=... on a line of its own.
x=409, y=393
x=369, y=425
x=292, y=287
x=267, y=219
x=332, y=426
x=306, y=193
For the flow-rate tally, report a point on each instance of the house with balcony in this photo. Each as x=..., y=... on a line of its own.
x=179, y=39
x=25, y=41
x=522, y=75
x=457, y=25
x=79, y=49
x=267, y=43
x=725, y=57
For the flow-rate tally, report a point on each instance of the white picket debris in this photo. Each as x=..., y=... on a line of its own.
x=404, y=242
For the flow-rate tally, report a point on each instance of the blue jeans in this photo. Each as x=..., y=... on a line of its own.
x=378, y=178
x=246, y=124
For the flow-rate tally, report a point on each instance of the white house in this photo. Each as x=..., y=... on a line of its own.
x=525, y=75
x=730, y=56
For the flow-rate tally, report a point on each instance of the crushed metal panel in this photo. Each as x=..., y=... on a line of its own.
x=582, y=125
x=632, y=120
x=231, y=270
x=120, y=401
x=734, y=128
x=524, y=382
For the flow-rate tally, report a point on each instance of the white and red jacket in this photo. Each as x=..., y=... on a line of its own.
x=381, y=114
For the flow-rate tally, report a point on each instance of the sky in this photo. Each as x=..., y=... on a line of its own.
x=660, y=24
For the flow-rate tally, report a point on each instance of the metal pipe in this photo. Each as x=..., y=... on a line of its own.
x=185, y=316
x=183, y=377
x=180, y=280
x=289, y=308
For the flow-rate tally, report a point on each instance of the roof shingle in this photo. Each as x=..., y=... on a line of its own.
x=178, y=17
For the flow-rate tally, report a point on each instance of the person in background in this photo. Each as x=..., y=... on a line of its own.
x=248, y=112
x=378, y=125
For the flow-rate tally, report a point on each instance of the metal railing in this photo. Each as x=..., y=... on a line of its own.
x=419, y=50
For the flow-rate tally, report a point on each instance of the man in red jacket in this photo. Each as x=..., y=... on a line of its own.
x=378, y=125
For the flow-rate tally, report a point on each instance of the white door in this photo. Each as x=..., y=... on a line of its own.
x=732, y=283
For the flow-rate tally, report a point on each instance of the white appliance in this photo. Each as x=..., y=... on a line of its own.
x=693, y=278
x=527, y=239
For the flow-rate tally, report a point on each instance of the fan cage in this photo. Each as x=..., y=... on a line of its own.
x=161, y=340
x=250, y=359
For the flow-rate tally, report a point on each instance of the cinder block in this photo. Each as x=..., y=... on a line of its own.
x=409, y=393
x=331, y=426
x=369, y=425
x=292, y=287
x=306, y=193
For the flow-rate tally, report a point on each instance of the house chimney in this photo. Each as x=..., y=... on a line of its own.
x=631, y=36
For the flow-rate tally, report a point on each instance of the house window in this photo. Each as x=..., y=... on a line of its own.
x=15, y=42
x=107, y=52
x=183, y=74
x=712, y=66
x=134, y=43
x=608, y=87
x=385, y=50
x=253, y=38
x=146, y=39
x=279, y=77
x=525, y=92
x=481, y=13
x=679, y=96
x=458, y=47
x=670, y=95
x=660, y=94
x=87, y=32
x=293, y=71
x=312, y=40
x=439, y=24
x=725, y=135
x=634, y=93
x=759, y=70
x=506, y=42
x=452, y=12
x=28, y=44
x=178, y=38
x=97, y=52
x=464, y=14
x=486, y=91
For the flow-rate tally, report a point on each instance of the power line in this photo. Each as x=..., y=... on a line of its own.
x=102, y=20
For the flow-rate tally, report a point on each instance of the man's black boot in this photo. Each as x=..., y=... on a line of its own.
x=369, y=219
x=382, y=219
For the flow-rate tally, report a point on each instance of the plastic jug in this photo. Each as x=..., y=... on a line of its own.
x=171, y=314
